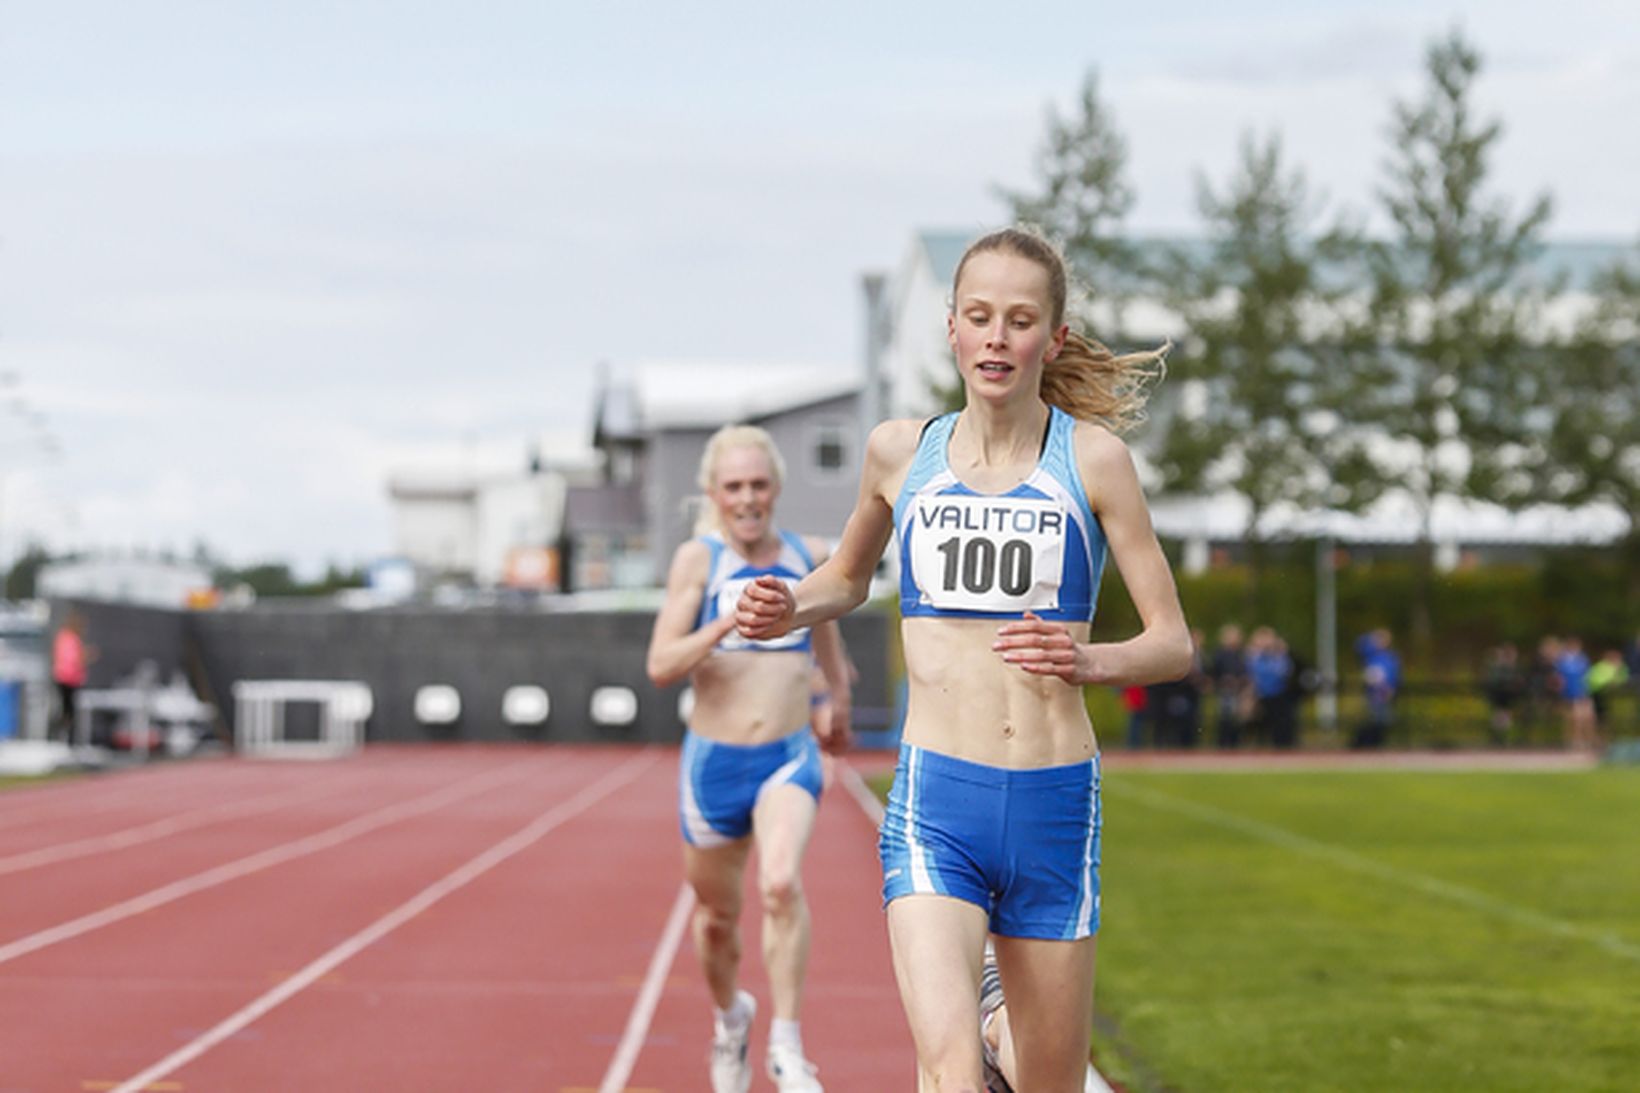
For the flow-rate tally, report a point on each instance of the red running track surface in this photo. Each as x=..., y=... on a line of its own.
x=417, y=919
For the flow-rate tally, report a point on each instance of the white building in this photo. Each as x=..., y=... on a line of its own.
x=493, y=528
x=149, y=582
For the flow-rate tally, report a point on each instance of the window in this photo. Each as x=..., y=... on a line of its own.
x=829, y=451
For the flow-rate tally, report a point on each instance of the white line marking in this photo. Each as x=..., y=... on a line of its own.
x=451, y=882
x=873, y=808
x=255, y=863
x=157, y=829
x=1344, y=858
x=861, y=792
x=649, y=996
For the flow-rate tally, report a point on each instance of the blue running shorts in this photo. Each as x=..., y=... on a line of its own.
x=1022, y=844
x=720, y=784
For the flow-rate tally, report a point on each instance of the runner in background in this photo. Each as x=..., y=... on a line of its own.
x=751, y=767
x=1005, y=513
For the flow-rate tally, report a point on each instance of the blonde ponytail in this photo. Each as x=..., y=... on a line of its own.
x=1090, y=383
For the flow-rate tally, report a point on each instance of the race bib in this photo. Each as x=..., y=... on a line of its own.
x=728, y=596
x=1002, y=554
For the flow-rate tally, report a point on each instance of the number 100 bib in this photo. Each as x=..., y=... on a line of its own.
x=1001, y=554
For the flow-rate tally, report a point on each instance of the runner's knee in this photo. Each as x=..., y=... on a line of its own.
x=782, y=891
x=716, y=925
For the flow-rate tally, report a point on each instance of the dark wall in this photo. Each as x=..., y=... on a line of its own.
x=121, y=636
x=480, y=653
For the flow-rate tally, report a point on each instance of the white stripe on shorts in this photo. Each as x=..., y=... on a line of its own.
x=1084, y=915
x=920, y=880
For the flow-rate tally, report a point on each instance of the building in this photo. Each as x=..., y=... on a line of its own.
x=150, y=582
x=494, y=529
x=651, y=426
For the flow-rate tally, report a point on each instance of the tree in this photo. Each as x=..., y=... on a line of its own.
x=25, y=572
x=1453, y=310
x=1589, y=449
x=1080, y=208
x=1085, y=197
x=1262, y=376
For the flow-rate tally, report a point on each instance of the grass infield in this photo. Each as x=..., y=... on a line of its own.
x=1372, y=930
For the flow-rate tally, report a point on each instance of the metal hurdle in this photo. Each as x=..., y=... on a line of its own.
x=259, y=716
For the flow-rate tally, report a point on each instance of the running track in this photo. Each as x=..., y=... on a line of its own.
x=418, y=919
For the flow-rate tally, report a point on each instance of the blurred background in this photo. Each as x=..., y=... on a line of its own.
x=356, y=360
x=382, y=307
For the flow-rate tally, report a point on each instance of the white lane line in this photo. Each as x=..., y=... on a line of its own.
x=254, y=863
x=456, y=879
x=1094, y=1082
x=649, y=996
x=157, y=829
x=1344, y=858
x=861, y=792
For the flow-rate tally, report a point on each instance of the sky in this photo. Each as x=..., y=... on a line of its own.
x=255, y=258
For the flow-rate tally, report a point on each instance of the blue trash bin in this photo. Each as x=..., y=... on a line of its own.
x=11, y=693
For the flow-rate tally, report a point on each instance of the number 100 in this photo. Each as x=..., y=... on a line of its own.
x=976, y=562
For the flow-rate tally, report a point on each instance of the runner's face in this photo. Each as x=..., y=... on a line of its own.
x=744, y=491
x=1001, y=327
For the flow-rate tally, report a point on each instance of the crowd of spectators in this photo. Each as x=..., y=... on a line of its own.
x=1248, y=691
x=1256, y=684
x=1556, y=681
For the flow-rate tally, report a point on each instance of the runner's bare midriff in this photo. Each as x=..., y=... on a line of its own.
x=966, y=701
x=750, y=698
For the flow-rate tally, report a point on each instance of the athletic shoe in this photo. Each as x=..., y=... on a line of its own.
x=990, y=1000
x=791, y=1072
x=731, y=1069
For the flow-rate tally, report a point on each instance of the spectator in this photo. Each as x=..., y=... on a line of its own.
x=1303, y=683
x=1270, y=668
x=1135, y=700
x=1543, y=680
x=1176, y=706
x=1605, y=679
x=71, y=660
x=1572, y=665
x=1381, y=683
x=1232, y=689
x=1502, y=684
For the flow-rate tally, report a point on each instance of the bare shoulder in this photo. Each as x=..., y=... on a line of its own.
x=1108, y=473
x=690, y=560
x=894, y=442
x=1100, y=450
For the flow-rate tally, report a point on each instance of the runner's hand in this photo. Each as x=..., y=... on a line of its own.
x=1043, y=648
x=765, y=609
x=837, y=735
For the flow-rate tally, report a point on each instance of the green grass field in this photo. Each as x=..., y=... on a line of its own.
x=1373, y=930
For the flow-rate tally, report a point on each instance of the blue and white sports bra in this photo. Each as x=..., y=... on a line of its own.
x=965, y=554
x=729, y=573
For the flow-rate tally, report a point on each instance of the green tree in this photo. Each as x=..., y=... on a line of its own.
x=1262, y=378
x=25, y=572
x=1590, y=449
x=1083, y=201
x=1084, y=198
x=1454, y=312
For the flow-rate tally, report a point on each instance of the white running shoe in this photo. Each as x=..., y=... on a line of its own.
x=791, y=1072
x=731, y=1068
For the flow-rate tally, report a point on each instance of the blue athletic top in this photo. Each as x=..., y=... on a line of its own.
x=728, y=573
x=965, y=554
